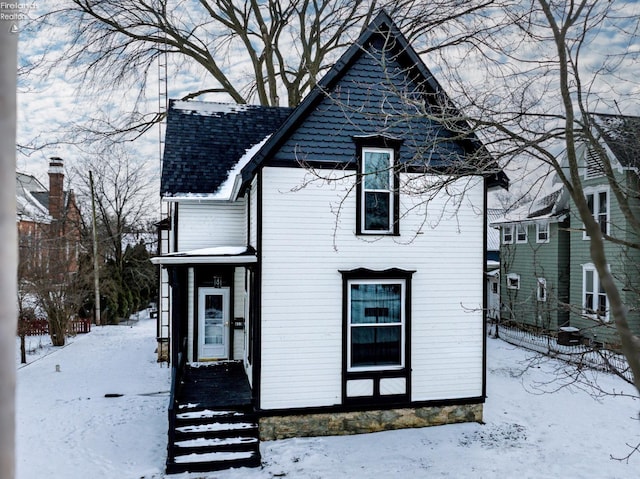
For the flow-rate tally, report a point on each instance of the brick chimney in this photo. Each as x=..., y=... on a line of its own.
x=56, y=183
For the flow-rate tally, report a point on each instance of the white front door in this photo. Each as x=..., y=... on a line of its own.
x=213, y=323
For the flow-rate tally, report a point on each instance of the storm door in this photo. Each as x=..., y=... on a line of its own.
x=213, y=323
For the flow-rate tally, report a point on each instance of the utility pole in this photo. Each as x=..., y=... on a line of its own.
x=96, y=262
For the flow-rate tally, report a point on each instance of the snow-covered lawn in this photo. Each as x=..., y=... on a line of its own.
x=67, y=428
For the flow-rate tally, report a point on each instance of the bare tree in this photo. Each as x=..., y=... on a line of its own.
x=539, y=105
x=267, y=52
x=124, y=207
x=530, y=87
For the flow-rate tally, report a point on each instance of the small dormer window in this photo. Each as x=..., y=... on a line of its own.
x=378, y=208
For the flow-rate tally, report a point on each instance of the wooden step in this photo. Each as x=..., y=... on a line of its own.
x=207, y=439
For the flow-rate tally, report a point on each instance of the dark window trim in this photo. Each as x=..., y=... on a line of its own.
x=386, y=143
x=376, y=375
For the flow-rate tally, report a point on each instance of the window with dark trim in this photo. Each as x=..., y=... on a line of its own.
x=377, y=201
x=376, y=324
x=376, y=319
x=377, y=191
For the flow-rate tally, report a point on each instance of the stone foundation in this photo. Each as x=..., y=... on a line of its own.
x=360, y=422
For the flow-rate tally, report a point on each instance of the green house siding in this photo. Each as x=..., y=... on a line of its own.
x=623, y=263
x=533, y=261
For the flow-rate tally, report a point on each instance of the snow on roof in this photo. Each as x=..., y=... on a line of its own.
x=28, y=206
x=213, y=251
x=550, y=207
x=208, y=108
x=226, y=189
x=212, y=255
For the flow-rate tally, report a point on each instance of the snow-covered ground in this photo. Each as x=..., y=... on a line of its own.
x=67, y=428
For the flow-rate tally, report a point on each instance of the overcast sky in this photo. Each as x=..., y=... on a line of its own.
x=52, y=100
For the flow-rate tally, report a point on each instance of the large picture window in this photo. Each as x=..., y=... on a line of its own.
x=377, y=191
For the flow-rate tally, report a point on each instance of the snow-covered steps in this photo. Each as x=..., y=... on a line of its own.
x=207, y=440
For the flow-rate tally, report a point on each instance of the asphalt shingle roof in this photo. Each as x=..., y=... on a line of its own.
x=622, y=135
x=205, y=140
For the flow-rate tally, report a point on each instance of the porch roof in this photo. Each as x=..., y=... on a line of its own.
x=215, y=255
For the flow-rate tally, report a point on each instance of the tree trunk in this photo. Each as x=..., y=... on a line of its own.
x=23, y=350
x=57, y=329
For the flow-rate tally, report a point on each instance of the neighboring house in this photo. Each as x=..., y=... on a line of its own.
x=493, y=264
x=534, y=261
x=297, y=244
x=549, y=280
x=48, y=224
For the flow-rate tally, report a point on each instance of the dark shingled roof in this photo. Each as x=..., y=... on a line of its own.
x=359, y=96
x=622, y=135
x=205, y=140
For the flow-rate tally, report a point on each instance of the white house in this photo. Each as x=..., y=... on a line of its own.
x=304, y=248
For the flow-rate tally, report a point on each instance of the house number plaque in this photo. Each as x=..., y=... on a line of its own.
x=217, y=282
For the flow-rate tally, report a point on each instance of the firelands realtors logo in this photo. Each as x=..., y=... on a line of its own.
x=15, y=12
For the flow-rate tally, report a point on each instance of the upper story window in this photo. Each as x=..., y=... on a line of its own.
x=596, y=303
x=542, y=232
x=507, y=234
x=521, y=233
x=598, y=202
x=378, y=193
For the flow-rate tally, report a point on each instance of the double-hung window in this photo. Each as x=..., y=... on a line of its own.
x=376, y=324
x=598, y=202
x=507, y=234
x=521, y=233
x=377, y=192
x=596, y=304
x=542, y=232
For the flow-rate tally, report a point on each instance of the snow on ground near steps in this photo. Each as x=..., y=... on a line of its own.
x=67, y=428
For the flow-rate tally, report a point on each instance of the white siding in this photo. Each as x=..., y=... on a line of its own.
x=303, y=250
x=238, y=312
x=253, y=214
x=209, y=223
x=191, y=290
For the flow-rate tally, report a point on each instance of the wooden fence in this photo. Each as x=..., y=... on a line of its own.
x=38, y=327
